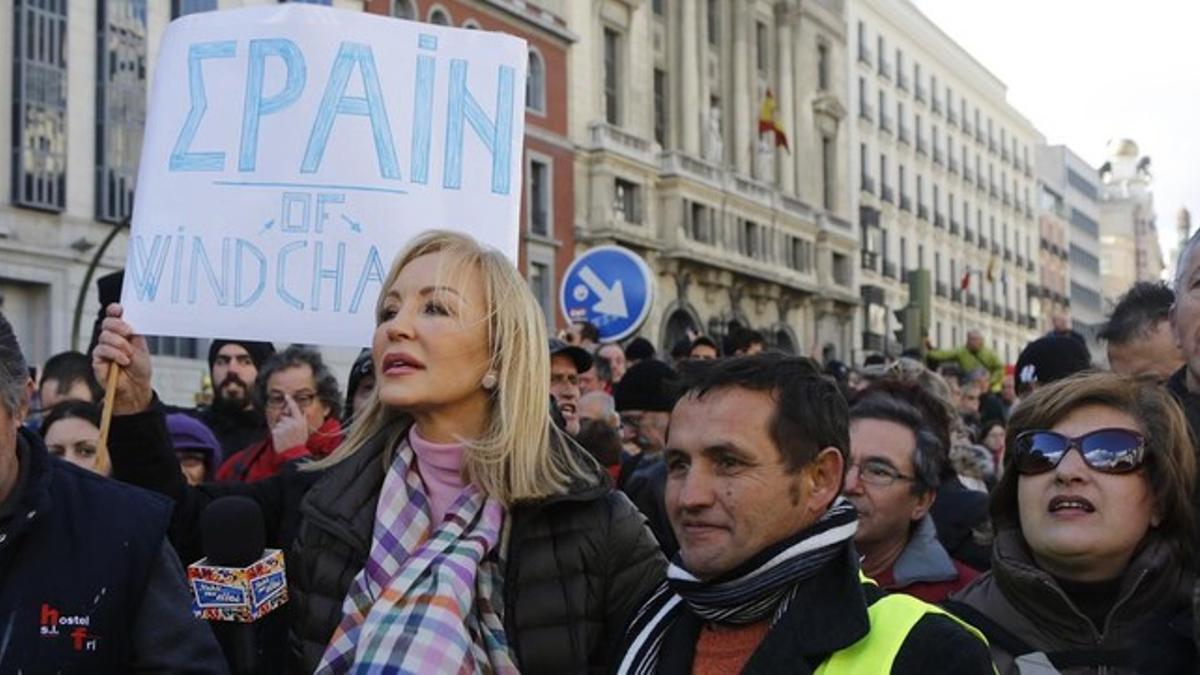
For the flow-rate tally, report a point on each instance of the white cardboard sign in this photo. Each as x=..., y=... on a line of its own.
x=290, y=153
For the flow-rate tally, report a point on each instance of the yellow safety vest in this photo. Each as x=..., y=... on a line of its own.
x=892, y=618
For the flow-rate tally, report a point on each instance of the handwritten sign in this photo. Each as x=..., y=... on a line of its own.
x=291, y=151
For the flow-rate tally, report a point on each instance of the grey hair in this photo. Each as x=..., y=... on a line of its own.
x=607, y=404
x=928, y=457
x=300, y=355
x=1185, y=254
x=14, y=371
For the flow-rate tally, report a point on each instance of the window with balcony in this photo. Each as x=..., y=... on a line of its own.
x=184, y=7
x=762, y=47
x=535, y=83
x=828, y=173
x=39, y=105
x=714, y=23
x=120, y=105
x=881, y=52
x=864, y=52
x=864, y=108
x=661, y=99
x=822, y=66
x=749, y=244
x=799, y=254
x=538, y=205
x=627, y=201
x=701, y=225
x=612, y=76
x=901, y=76
x=541, y=283
x=842, y=270
x=166, y=345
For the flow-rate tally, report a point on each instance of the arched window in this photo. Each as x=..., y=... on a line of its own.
x=404, y=9
x=471, y=24
x=439, y=16
x=535, y=83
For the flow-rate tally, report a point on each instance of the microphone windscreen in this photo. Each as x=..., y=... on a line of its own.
x=232, y=532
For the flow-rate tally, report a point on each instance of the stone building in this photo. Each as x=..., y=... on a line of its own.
x=943, y=167
x=1128, y=231
x=738, y=231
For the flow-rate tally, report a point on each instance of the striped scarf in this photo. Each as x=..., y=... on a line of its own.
x=760, y=588
x=425, y=601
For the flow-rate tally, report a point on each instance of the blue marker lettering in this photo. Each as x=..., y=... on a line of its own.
x=496, y=137
x=372, y=271
x=422, y=111
x=199, y=258
x=336, y=102
x=255, y=105
x=181, y=159
x=243, y=247
x=281, y=274
x=319, y=274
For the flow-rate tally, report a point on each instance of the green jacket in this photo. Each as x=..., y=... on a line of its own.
x=968, y=361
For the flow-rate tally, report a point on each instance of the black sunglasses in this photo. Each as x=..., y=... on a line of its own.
x=1103, y=450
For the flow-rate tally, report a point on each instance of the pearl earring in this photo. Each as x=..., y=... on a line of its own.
x=489, y=381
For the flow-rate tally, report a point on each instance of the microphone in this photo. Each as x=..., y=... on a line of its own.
x=237, y=582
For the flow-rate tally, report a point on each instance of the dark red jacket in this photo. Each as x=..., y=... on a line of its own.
x=259, y=460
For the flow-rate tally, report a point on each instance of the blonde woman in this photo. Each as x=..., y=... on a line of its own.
x=455, y=529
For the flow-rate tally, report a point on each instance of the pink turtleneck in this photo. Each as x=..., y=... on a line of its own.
x=440, y=467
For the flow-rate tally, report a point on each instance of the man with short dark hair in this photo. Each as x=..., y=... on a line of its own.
x=704, y=349
x=614, y=359
x=767, y=578
x=745, y=342
x=583, y=334
x=91, y=583
x=895, y=470
x=1138, y=333
x=68, y=376
x=232, y=416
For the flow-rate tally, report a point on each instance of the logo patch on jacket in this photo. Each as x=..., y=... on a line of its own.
x=54, y=624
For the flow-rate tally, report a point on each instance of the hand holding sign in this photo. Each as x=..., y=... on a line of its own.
x=291, y=150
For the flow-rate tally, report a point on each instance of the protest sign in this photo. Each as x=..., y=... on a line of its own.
x=291, y=151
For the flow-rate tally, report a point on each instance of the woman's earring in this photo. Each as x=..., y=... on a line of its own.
x=489, y=380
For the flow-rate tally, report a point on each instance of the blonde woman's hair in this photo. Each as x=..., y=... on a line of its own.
x=521, y=455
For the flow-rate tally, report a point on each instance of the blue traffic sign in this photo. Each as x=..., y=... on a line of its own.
x=610, y=286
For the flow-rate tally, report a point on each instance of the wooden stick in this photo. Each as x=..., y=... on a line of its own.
x=103, y=463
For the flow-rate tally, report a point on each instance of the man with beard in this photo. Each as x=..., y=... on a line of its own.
x=232, y=417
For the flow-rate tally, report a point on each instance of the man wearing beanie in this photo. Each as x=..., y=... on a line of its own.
x=1048, y=359
x=91, y=583
x=644, y=398
x=232, y=417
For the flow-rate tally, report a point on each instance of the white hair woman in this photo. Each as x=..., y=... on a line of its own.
x=455, y=529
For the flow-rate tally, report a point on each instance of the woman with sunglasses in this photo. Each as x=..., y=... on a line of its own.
x=1094, y=529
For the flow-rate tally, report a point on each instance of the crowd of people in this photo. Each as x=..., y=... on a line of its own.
x=484, y=497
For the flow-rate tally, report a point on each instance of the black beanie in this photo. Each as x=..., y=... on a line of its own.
x=648, y=386
x=259, y=351
x=1051, y=358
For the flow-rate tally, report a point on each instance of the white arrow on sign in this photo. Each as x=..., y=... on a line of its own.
x=612, y=300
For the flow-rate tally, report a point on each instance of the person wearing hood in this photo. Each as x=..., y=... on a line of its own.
x=195, y=446
x=1094, y=532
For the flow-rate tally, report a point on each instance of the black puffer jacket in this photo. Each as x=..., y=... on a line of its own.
x=575, y=567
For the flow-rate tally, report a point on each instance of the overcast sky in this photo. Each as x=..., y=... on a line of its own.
x=1085, y=71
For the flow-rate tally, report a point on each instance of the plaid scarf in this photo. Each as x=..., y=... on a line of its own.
x=760, y=588
x=424, y=602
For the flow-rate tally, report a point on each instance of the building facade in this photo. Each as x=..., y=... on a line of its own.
x=1070, y=203
x=944, y=172
x=76, y=76
x=1128, y=231
x=671, y=101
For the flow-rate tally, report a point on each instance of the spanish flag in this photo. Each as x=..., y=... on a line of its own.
x=768, y=124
